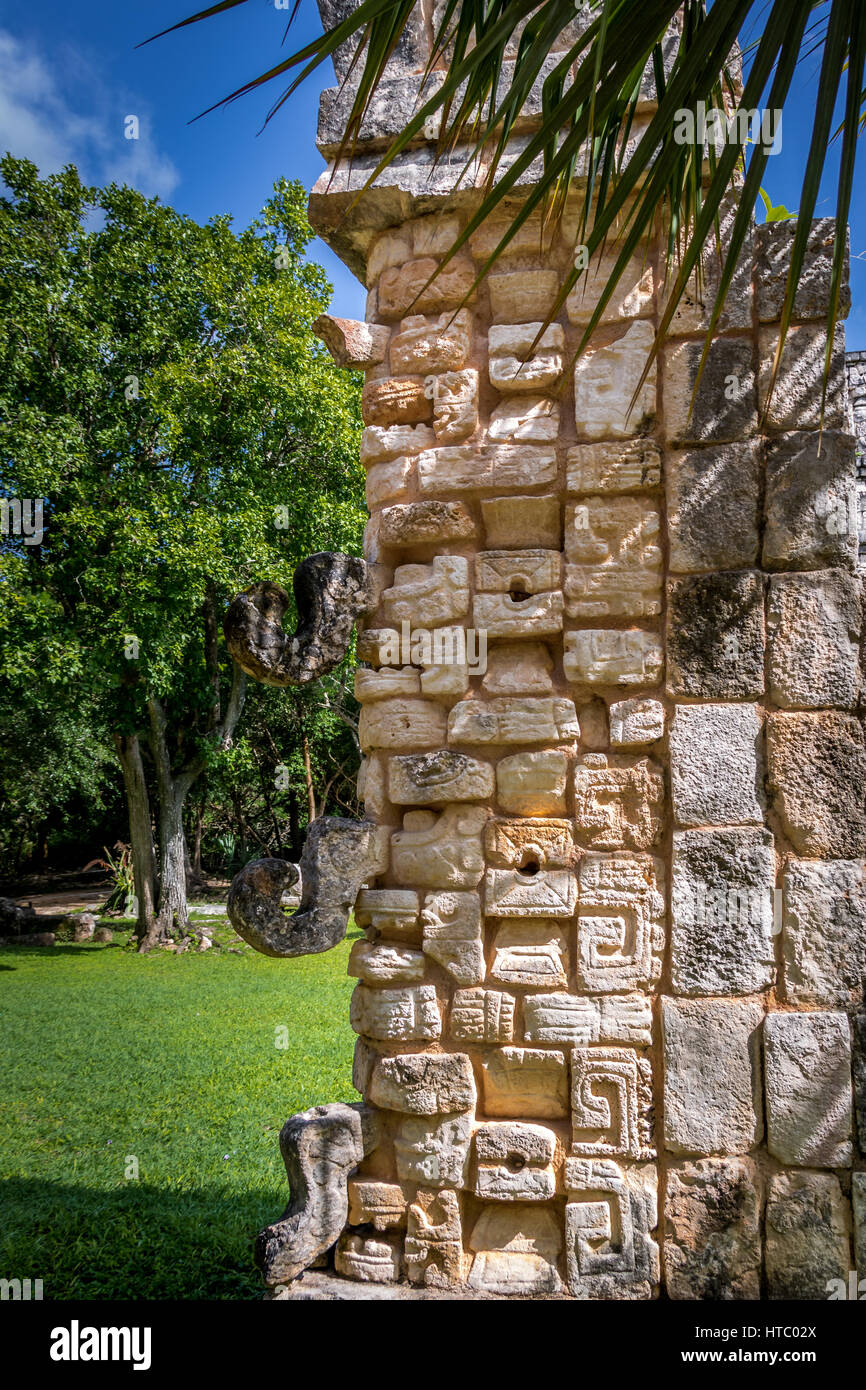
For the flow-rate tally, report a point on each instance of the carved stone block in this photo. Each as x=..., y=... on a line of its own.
x=511, y=522
x=531, y=418
x=530, y=874
x=404, y=289
x=632, y=465
x=532, y=784
x=455, y=405
x=440, y=851
x=482, y=1016
x=371, y=1259
x=434, y=1240
x=618, y=801
x=429, y=595
x=424, y=779
x=381, y=1205
x=561, y=1018
x=452, y=935
x=602, y=656
x=514, y=1163
x=814, y=630
x=605, y=380
x=402, y=1014
x=522, y=295
x=384, y=963
x=405, y=723
x=425, y=345
x=620, y=923
x=434, y=1154
x=610, y=1218
x=613, y=558
x=391, y=911
x=514, y=364
x=382, y=444
x=611, y=1103
x=520, y=1081
x=499, y=467
x=516, y=1249
x=530, y=953
x=425, y=523
x=634, y=723
x=395, y=401
x=501, y=615
x=423, y=1083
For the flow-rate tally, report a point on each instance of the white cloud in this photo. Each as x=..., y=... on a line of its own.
x=60, y=112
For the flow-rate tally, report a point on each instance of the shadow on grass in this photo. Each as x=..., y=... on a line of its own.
x=133, y=1242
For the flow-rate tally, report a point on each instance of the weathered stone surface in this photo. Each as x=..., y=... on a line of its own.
x=434, y=1154
x=814, y=627
x=381, y=1205
x=381, y=444
x=605, y=379
x=516, y=1250
x=620, y=923
x=521, y=296
x=452, y=935
x=500, y=615
x=811, y=501
x=514, y=1163
x=633, y=297
x=482, y=1015
x=808, y=1066
x=618, y=801
x=407, y=1015
x=385, y=963
x=515, y=365
x=605, y=656
x=530, y=873
x=566, y=1019
x=824, y=924
x=404, y=289
x=717, y=765
x=712, y=1075
x=796, y=400
x=401, y=723
x=520, y=669
x=715, y=636
x=419, y=523
x=440, y=344
x=531, y=418
x=392, y=911
x=613, y=558
x=634, y=723
x=611, y=1103
x=440, y=851
x=320, y=1148
x=529, y=571
x=817, y=767
x=424, y=779
x=522, y=521
x=353, y=344
x=429, y=595
x=455, y=405
x=434, y=1240
x=713, y=507
x=594, y=726
x=434, y=235
x=722, y=907
x=725, y=406
x=808, y=1242
x=499, y=467
x=530, y=953
x=385, y=683
x=424, y=1083
x=395, y=401
x=513, y=719
x=387, y=481
x=773, y=245
x=532, y=784
x=858, y=1025
x=630, y=465
x=372, y=1259
x=713, y=1230
x=410, y=52
x=858, y=1201
x=610, y=1218
x=520, y=1081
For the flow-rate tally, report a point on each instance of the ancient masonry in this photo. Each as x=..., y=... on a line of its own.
x=856, y=363
x=611, y=1038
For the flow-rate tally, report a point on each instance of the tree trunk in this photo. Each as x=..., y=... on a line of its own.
x=172, y=918
x=308, y=777
x=140, y=834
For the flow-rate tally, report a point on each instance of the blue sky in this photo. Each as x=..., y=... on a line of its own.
x=70, y=74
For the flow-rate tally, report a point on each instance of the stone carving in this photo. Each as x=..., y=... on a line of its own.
x=421, y=779
x=410, y=1014
x=514, y=1163
x=482, y=1016
x=601, y=656
x=609, y=1219
x=440, y=851
x=613, y=558
x=620, y=923
x=521, y=1081
x=451, y=923
x=400, y=723
x=372, y=1259
x=381, y=1205
x=611, y=1103
x=530, y=953
x=517, y=1248
x=634, y=723
x=605, y=379
x=455, y=406
x=517, y=362
x=392, y=911
x=629, y=466
x=432, y=345
x=353, y=344
x=512, y=719
x=575, y=1020
x=531, y=418
x=500, y=467
x=384, y=963
x=434, y=1240
x=435, y=1152
x=618, y=801
x=429, y=595
x=533, y=784
x=512, y=522
x=424, y=1084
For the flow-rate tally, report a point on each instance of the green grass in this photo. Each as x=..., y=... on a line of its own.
x=172, y=1060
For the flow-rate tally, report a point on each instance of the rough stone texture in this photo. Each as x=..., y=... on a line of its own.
x=824, y=923
x=817, y=775
x=773, y=245
x=352, y=344
x=713, y=500
x=424, y=1084
x=808, y=1241
x=520, y=1081
x=808, y=1079
x=634, y=723
x=401, y=723
x=811, y=501
x=722, y=909
x=858, y=1024
x=713, y=1230
x=533, y=418
x=599, y=656
x=439, y=344
x=372, y=1259
x=395, y=401
x=406, y=1015
x=814, y=627
x=522, y=521
x=715, y=636
x=514, y=1163
x=610, y=1217
x=434, y=1240
x=440, y=851
x=518, y=363
x=725, y=407
x=712, y=1075
x=613, y=558
x=618, y=801
x=451, y=925
x=424, y=779
x=385, y=963
x=606, y=377
x=795, y=403
x=858, y=1201
x=532, y=784
x=433, y=1152
x=717, y=765
x=417, y=523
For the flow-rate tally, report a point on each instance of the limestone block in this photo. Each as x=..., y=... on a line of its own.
x=440, y=851
x=423, y=523
x=429, y=595
x=385, y=963
x=625, y=1018
x=381, y=1205
x=618, y=801
x=408, y=1015
x=773, y=245
x=521, y=669
x=611, y=1103
x=796, y=400
x=633, y=298
x=520, y=1081
x=385, y=481
x=602, y=656
x=712, y=1075
x=402, y=723
x=605, y=379
x=859, y=1029
x=371, y=1259
x=531, y=874
x=395, y=401
x=725, y=406
x=808, y=1242
x=713, y=497
x=434, y=1240
x=528, y=571
x=498, y=467
x=610, y=1218
x=531, y=953
x=391, y=248
x=694, y=311
x=452, y=935
x=620, y=922
x=594, y=726
x=568, y=1019
x=634, y=723
x=631, y=465
x=424, y=779
x=363, y=1061
x=811, y=501
x=424, y=1083
x=500, y=615
x=715, y=636
x=814, y=627
x=391, y=911
x=403, y=289
x=386, y=683
x=722, y=908
x=817, y=766
x=352, y=344
x=424, y=345
x=521, y=296
x=613, y=558
x=713, y=1230
x=824, y=931
x=455, y=405
x=383, y=444
x=514, y=1162
x=482, y=1016
x=858, y=1199
x=532, y=784
x=434, y=1154
x=510, y=522
x=531, y=418
x=445, y=682
x=371, y=788
x=516, y=362
x=717, y=765
x=513, y=719
x=808, y=1067
x=516, y=1249
x=532, y=238
x=434, y=235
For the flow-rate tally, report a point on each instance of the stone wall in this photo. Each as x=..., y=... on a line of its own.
x=856, y=364
x=609, y=1002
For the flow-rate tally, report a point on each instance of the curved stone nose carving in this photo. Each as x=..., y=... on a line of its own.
x=331, y=592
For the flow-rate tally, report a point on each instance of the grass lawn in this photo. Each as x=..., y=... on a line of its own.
x=173, y=1061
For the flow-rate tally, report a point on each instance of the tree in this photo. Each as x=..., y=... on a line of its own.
x=164, y=400
x=609, y=45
